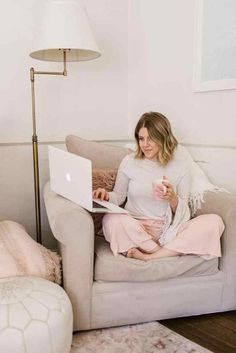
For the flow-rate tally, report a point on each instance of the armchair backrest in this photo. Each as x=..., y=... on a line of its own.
x=102, y=155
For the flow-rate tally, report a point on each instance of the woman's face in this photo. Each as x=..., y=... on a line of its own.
x=149, y=148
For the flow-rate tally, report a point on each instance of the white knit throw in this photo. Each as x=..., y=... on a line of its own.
x=200, y=184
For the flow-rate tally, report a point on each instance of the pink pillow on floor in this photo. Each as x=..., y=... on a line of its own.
x=20, y=255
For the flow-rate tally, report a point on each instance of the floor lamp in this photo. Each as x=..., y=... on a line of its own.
x=64, y=35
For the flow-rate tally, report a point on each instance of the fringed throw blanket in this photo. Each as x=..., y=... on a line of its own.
x=200, y=184
x=20, y=255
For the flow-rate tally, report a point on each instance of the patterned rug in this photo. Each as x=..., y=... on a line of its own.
x=150, y=337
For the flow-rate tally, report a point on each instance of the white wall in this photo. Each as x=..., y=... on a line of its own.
x=93, y=93
x=146, y=64
x=163, y=56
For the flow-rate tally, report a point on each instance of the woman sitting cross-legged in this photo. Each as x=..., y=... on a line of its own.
x=156, y=185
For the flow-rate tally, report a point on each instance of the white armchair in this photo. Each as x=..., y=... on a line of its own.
x=109, y=291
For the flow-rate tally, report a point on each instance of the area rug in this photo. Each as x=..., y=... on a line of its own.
x=150, y=337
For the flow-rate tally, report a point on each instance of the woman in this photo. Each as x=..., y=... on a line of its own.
x=158, y=224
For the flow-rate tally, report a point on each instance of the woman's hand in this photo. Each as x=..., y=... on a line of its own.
x=170, y=195
x=101, y=194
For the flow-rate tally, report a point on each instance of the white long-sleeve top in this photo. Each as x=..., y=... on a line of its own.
x=134, y=181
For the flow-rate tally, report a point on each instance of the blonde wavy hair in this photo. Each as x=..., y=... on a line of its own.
x=159, y=130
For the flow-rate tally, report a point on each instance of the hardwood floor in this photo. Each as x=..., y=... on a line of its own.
x=216, y=332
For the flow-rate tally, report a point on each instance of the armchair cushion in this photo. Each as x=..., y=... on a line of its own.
x=118, y=268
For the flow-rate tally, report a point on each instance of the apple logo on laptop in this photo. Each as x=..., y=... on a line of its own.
x=68, y=177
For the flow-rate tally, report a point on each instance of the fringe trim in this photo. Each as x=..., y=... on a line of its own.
x=52, y=264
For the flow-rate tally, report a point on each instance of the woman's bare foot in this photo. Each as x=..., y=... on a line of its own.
x=137, y=254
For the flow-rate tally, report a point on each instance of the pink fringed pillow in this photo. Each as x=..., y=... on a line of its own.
x=102, y=178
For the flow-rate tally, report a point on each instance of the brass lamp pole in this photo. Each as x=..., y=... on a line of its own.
x=63, y=35
x=35, y=144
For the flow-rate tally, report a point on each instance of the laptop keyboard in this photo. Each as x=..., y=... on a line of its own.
x=97, y=205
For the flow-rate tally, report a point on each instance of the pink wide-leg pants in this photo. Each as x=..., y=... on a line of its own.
x=200, y=235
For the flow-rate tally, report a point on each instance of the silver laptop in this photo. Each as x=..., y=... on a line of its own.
x=71, y=177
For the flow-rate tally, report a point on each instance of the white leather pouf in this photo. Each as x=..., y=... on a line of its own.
x=35, y=316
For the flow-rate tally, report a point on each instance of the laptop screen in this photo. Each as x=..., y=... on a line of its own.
x=71, y=176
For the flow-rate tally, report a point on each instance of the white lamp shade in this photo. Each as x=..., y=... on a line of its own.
x=64, y=25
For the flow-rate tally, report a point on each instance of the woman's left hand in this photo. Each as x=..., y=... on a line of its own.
x=170, y=195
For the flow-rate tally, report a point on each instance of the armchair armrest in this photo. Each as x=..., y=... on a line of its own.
x=224, y=204
x=73, y=227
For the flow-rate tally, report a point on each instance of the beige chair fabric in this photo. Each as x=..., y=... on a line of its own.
x=118, y=268
x=107, y=291
x=101, y=155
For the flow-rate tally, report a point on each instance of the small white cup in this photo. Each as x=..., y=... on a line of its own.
x=158, y=182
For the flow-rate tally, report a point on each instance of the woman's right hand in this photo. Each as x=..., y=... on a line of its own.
x=101, y=194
